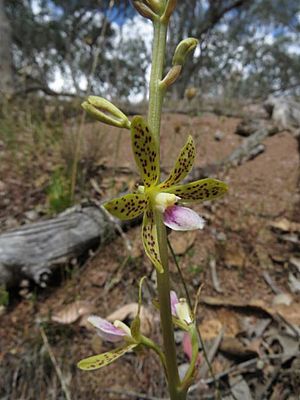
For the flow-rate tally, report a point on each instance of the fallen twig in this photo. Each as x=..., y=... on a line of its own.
x=271, y=283
x=214, y=276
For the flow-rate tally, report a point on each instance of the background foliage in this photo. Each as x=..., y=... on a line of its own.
x=248, y=48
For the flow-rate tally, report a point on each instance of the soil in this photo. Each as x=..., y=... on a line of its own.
x=237, y=235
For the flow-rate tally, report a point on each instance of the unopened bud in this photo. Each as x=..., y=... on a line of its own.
x=182, y=50
x=155, y=5
x=170, y=7
x=183, y=311
x=104, y=111
x=143, y=9
x=171, y=76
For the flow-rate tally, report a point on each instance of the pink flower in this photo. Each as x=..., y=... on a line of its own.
x=182, y=219
x=107, y=331
x=180, y=309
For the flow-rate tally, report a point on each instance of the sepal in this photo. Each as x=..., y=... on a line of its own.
x=101, y=360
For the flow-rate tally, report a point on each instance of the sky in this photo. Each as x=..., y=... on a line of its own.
x=130, y=29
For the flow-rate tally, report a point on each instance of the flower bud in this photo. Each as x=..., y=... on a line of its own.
x=106, y=112
x=144, y=9
x=170, y=7
x=182, y=50
x=183, y=311
x=171, y=76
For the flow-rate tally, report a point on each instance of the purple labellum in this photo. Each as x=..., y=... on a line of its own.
x=174, y=301
x=106, y=330
x=182, y=219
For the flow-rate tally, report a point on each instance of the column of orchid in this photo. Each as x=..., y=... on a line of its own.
x=162, y=204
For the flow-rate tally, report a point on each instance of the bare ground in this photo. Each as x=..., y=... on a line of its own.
x=237, y=236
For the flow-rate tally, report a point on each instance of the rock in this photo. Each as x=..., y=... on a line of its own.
x=247, y=126
x=219, y=135
x=31, y=215
x=182, y=243
x=283, y=298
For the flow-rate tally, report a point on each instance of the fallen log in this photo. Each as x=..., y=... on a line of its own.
x=284, y=111
x=250, y=148
x=32, y=251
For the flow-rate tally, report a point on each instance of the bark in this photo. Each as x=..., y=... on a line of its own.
x=6, y=69
x=31, y=251
x=285, y=112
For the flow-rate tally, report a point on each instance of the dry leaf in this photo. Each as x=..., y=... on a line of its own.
x=294, y=283
x=284, y=225
x=239, y=388
x=289, y=313
x=234, y=348
x=210, y=329
x=129, y=311
x=72, y=312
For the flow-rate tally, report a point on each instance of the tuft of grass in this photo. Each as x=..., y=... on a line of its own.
x=59, y=196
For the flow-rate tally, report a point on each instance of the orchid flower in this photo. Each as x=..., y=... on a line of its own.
x=118, y=331
x=180, y=310
x=165, y=196
x=108, y=331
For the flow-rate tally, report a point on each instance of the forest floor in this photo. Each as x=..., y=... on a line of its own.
x=248, y=310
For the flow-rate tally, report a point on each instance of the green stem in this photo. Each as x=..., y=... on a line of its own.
x=189, y=376
x=151, y=345
x=156, y=95
x=155, y=92
x=163, y=287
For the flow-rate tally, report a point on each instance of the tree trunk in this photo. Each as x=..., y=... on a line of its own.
x=6, y=71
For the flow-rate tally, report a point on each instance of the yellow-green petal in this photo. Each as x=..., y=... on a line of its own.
x=127, y=207
x=182, y=166
x=101, y=360
x=150, y=241
x=145, y=151
x=204, y=189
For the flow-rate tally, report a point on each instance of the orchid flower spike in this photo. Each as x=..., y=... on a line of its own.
x=118, y=331
x=166, y=196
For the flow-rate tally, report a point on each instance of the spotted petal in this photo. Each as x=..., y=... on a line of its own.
x=145, y=151
x=128, y=206
x=150, y=239
x=205, y=189
x=101, y=360
x=182, y=166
